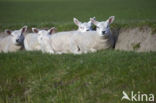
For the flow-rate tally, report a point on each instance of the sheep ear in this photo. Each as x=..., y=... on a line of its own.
x=76, y=21
x=93, y=21
x=94, y=18
x=24, y=29
x=111, y=19
x=35, y=30
x=8, y=31
x=52, y=30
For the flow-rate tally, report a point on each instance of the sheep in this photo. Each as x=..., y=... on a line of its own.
x=43, y=39
x=83, y=27
x=31, y=43
x=92, y=41
x=62, y=42
x=14, y=41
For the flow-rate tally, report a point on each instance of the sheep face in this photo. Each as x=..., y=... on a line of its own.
x=103, y=28
x=83, y=27
x=17, y=35
x=43, y=35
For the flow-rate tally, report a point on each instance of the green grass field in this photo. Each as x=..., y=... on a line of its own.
x=33, y=77
x=60, y=13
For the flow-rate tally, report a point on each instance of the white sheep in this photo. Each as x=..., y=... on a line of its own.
x=62, y=42
x=14, y=41
x=92, y=41
x=31, y=43
x=85, y=26
x=41, y=38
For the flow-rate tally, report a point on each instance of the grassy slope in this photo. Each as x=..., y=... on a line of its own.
x=59, y=13
x=90, y=78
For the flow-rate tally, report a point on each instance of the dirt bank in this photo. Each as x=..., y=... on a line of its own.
x=139, y=39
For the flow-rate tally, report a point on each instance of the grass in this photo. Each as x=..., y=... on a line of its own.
x=33, y=77
x=60, y=13
x=136, y=46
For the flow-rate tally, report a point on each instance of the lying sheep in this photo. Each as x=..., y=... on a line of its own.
x=83, y=27
x=42, y=39
x=96, y=40
x=91, y=41
x=31, y=43
x=62, y=42
x=14, y=41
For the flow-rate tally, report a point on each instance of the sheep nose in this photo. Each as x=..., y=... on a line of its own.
x=103, y=32
x=17, y=40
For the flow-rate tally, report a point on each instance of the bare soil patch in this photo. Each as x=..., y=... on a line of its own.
x=139, y=39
